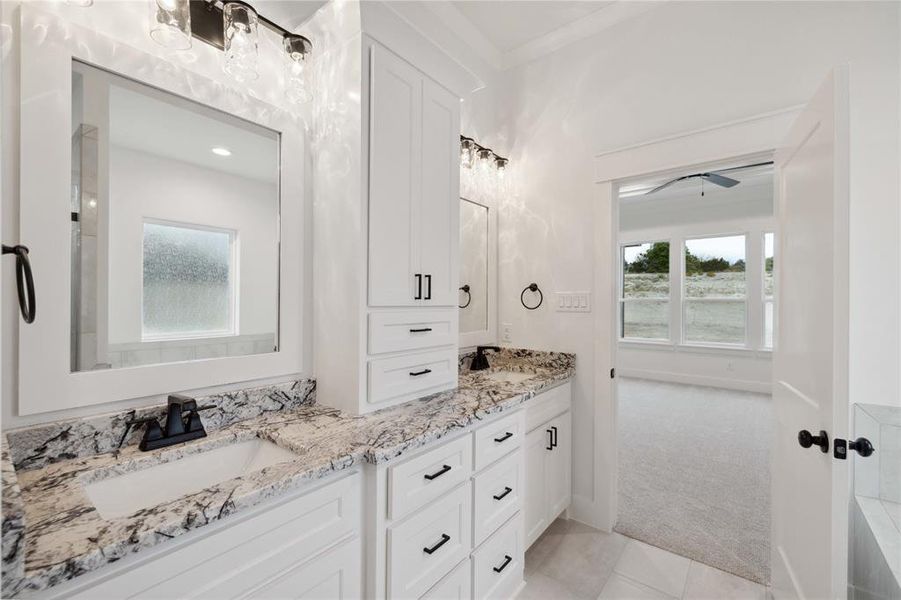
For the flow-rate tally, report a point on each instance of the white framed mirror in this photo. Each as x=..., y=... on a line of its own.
x=478, y=273
x=165, y=213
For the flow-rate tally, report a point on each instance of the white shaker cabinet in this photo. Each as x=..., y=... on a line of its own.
x=413, y=186
x=548, y=460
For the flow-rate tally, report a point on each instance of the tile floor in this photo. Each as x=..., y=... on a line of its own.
x=571, y=560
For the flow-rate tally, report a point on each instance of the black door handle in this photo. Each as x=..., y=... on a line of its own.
x=444, y=539
x=503, y=494
x=554, y=436
x=504, y=437
x=439, y=473
x=507, y=560
x=550, y=443
x=428, y=289
x=418, y=373
x=418, y=295
x=807, y=439
x=862, y=446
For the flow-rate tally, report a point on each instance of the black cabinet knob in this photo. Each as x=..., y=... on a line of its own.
x=807, y=439
x=862, y=446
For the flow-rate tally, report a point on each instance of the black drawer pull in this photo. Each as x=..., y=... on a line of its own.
x=550, y=443
x=507, y=560
x=444, y=539
x=504, y=437
x=438, y=474
x=554, y=436
x=506, y=491
x=421, y=330
x=418, y=373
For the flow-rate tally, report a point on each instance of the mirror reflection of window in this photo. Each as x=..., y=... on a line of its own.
x=175, y=237
x=473, y=266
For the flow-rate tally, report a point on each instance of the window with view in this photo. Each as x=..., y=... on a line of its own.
x=768, y=289
x=715, y=294
x=188, y=282
x=644, y=304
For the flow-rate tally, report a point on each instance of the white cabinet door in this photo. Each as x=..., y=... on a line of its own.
x=395, y=167
x=337, y=575
x=559, y=469
x=536, y=509
x=440, y=203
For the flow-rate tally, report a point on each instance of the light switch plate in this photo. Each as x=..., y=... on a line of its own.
x=573, y=302
x=507, y=333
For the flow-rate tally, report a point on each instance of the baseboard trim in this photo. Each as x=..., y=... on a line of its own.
x=584, y=510
x=717, y=382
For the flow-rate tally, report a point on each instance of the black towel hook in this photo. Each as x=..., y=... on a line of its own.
x=465, y=289
x=24, y=281
x=532, y=287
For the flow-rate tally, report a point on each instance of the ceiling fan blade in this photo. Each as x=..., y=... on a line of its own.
x=669, y=183
x=720, y=180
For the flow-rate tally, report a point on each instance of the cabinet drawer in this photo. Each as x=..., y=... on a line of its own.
x=411, y=330
x=497, y=565
x=496, y=439
x=426, y=546
x=498, y=493
x=411, y=375
x=456, y=585
x=547, y=405
x=426, y=477
x=235, y=560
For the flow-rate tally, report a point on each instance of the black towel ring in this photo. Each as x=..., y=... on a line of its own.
x=465, y=289
x=24, y=281
x=532, y=287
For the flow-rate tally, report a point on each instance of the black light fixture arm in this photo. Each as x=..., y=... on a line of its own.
x=479, y=147
x=206, y=24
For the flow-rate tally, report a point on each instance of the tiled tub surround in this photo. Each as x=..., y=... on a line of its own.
x=64, y=536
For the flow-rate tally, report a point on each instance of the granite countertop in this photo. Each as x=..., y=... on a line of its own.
x=52, y=532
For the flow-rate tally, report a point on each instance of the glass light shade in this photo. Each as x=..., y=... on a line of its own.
x=80, y=3
x=502, y=175
x=467, y=152
x=170, y=23
x=240, y=23
x=485, y=171
x=297, y=85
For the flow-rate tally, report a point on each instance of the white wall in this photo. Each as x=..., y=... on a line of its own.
x=145, y=186
x=681, y=67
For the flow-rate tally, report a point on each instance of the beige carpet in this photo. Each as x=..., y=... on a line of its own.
x=694, y=473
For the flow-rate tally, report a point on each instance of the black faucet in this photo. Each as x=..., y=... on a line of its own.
x=480, y=362
x=182, y=424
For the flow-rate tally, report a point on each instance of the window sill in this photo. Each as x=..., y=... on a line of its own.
x=694, y=348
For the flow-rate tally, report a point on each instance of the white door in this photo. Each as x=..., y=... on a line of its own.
x=395, y=155
x=440, y=202
x=537, y=443
x=810, y=357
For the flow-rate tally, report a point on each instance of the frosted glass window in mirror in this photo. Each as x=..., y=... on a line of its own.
x=175, y=228
x=473, y=266
x=188, y=288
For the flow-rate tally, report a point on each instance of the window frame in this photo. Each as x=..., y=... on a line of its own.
x=233, y=284
x=621, y=299
x=764, y=299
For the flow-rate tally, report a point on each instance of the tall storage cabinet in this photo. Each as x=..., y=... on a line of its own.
x=385, y=256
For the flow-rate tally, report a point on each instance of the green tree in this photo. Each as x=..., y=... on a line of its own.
x=653, y=260
x=738, y=266
x=769, y=264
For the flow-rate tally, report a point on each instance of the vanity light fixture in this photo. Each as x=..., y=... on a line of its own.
x=170, y=23
x=220, y=151
x=474, y=154
x=233, y=27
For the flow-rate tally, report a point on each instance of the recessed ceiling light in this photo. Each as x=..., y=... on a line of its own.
x=220, y=151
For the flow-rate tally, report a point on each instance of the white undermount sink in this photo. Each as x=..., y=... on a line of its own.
x=508, y=376
x=123, y=495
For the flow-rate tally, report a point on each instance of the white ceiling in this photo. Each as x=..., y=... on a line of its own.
x=290, y=14
x=187, y=132
x=510, y=24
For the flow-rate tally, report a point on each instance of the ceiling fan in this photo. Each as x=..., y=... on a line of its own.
x=711, y=176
